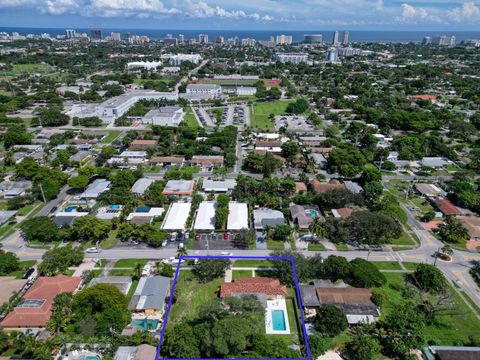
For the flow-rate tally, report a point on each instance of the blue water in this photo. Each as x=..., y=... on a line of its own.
x=115, y=207
x=70, y=208
x=312, y=213
x=146, y=324
x=143, y=209
x=355, y=35
x=278, y=320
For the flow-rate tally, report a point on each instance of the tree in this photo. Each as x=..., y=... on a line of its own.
x=281, y=232
x=182, y=251
x=167, y=270
x=244, y=238
x=365, y=274
x=58, y=260
x=362, y=346
x=336, y=267
x=447, y=250
x=453, y=231
x=330, y=320
x=402, y=330
x=79, y=182
x=90, y=228
x=105, y=304
x=428, y=216
x=428, y=278
x=318, y=345
x=41, y=229
x=269, y=165
x=8, y=263
x=209, y=269
x=289, y=150
x=346, y=161
x=61, y=313
x=180, y=342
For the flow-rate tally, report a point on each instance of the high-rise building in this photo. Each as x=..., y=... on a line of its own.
x=444, y=40
x=126, y=37
x=171, y=41
x=220, y=39
x=115, y=36
x=70, y=33
x=346, y=38
x=284, y=40
x=332, y=55
x=203, y=38
x=313, y=38
x=335, y=38
x=96, y=34
x=293, y=58
x=181, y=38
x=427, y=40
x=249, y=42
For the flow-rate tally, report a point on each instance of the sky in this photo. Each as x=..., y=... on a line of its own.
x=244, y=14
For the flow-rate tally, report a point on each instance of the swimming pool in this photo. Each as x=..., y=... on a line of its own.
x=114, y=207
x=312, y=213
x=278, y=320
x=143, y=209
x=70, y=208
x=145, y=324
x=90, y=357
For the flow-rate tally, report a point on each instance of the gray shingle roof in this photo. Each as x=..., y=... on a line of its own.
x=150, y=293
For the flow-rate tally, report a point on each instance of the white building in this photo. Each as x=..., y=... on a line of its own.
x=205, y=219
x=293, y=58
x=115, y=107
x=237, y=216
x=332, y=55
x=209, y=90
x=176, y=60
x=246, y=90
x=164, y=116
x=147, y=65
x=176, y=217
x=284, y=40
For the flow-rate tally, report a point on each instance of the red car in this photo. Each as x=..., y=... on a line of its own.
x=197, y=237
x=226, y=236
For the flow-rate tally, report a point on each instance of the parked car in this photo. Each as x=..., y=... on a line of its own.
x=226, y=253
x=28, y=273
x=93, y=250
x=164, y=243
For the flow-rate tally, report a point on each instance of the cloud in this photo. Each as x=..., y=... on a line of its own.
x=59, y=7
x=467, y=12
x=411, y=14
x=201, y=9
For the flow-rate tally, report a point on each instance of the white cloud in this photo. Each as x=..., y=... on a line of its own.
x=127, y=8
x=411, y=14
x=59, y=7
x=201, y=9
x=467, y=12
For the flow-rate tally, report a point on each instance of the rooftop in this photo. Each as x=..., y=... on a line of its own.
x=141, y=185
x=150, y=293
x=177, y=216
x=237, y=216
x=258, y=285
x=179, y=187
x=205, y=219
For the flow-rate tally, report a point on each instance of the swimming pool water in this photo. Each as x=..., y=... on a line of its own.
x=115, y=207
x=70, y=208
x=278, y=320
x=312, y=213
x=145, y=325
x=143, y=209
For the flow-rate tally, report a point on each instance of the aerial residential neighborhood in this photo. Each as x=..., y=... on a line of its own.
x=254, y=193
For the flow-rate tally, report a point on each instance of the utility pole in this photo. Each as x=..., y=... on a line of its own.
x=43, y=194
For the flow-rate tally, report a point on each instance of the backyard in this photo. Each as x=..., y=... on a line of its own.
x=262, y=110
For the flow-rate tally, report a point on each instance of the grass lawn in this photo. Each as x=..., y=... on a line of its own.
x=110, y=241
x=471, y=302
x=132, y=289
x=410, y=265
x=253, y=263
x=29, y=68
x=316, y=247
x=262, y=110
x=112, y=135
x=405, y=239
x=242, y=274
x=190, y=118
x=24, y=266
x=387, y=265
x=129, y=263
x=25, y=210
x=190, y=296
x=341, y=247
x=275, y=245
x=451, y=328
x=120, y=272
x=152, y=169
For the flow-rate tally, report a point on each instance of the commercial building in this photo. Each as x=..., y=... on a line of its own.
x=246, y=90
x=70, y=33
x=147, y=65
x=208, y=90
x=177, y=215
x=335, y=40
x=290, y=57
x=115, y=107
x=176, y=60
x=332, y=55
x=96, y=34
x=444, y=40
x=205, y=219
x=164, y=116
x=313, y=38
x=346, y=38
x=34, y=310
x=237, y=216
x=284, y=40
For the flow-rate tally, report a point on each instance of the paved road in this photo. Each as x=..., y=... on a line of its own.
x=53, y=203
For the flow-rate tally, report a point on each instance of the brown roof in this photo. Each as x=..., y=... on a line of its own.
x=447, y=208
x=300, y=186
x=144, y=142
x=472, y=224
x=263, y=285
x=44, y=288
x=261, y=143
x=207, y=160
x=167, y=159
x=344, y=213
x=344, y=296
x=424, y=97
x=319, y=187
x=145, y=351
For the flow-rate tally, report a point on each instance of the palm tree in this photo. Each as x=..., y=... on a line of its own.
x=158, y=267
x=317, y=228
x=137, y=271
x=447, y=250
x=182, y=252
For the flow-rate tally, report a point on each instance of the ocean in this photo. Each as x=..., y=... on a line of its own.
x=355, y=35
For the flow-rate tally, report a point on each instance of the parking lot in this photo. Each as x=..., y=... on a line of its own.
x=213, y=242
x=293, y=122
x=231, y=115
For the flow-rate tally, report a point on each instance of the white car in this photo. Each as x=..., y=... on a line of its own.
x=93, y=250
x=226, y=253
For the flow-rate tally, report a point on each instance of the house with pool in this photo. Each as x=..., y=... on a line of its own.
x=270, y=293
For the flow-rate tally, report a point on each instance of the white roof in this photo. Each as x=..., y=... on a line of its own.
x=141, y=185
x=153, y=212
x=177, y=216
x=205, y=219
x=96, y=188
x=224, y=185
x=237, y=216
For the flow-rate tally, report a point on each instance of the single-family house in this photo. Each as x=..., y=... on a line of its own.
x=150, y=295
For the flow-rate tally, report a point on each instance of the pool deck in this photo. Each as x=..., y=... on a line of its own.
x=277, y=304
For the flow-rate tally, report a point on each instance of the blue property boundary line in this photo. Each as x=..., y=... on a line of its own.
x=297, y=290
